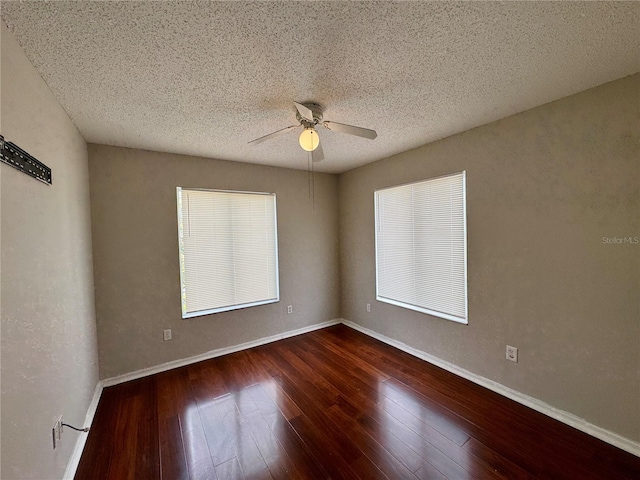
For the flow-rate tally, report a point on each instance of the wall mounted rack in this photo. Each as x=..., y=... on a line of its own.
x=14, y=156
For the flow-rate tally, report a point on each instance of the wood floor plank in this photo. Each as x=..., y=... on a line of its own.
x=537, y=436
x=379, y=455
x=331, y=404
x=357, y=393
x=230, y=470
x=126, y=440
x=415, y=454
x=282, y=430
x=274, y=455
x=423, y=410
x=98, y=451
x=206, y=380
x=324, y=395
x=278, y=396
x=532, y=444
x=239, y=438
x=365, y=397
x=501, y=467
x=308, y=398
x=135, y=431
x=173, y=463
x=323, y=447
x=299, y=452
x=221, y=443
x=175, y=398
x=335, y=450
x=441, y=453
x=334, y=346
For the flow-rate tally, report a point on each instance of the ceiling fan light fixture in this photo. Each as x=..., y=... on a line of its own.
x=309, y=139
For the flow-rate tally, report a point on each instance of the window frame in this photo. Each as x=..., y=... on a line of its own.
x=420, y=308
x=226, y=308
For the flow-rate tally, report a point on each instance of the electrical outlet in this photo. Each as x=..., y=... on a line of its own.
x=56, y=432
x=368, y=307
x=289, y=309
x=512, y=354
x=167, y=334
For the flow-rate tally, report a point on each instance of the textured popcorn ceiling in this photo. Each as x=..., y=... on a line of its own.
x=205, y=78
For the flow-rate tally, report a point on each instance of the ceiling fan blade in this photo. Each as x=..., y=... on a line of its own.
x=351, y=130
x=304, y=112
x=318, y=155
x=277, y=133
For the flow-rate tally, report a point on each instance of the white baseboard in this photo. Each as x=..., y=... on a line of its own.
x=560, y=415
x=74, y=460
x=213, y=353
x=538, y=405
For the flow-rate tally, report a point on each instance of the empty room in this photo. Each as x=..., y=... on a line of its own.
x=320, y=240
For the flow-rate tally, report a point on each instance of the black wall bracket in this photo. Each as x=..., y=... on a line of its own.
x=13, y=155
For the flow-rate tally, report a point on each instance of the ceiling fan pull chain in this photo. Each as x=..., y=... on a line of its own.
x=313, y=186
x=309, y=163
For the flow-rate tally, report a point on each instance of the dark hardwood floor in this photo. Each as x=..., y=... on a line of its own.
x=333, y=403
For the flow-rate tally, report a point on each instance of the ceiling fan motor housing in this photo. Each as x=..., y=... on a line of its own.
x=317, y=115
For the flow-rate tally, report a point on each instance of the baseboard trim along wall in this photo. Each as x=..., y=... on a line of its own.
x=560, y=415
x=145, y=372
x=542, y=407
x=74, y=460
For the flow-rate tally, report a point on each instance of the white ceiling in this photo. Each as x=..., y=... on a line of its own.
x=205, y=78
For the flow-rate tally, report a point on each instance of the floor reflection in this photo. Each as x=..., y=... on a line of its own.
x=425, y=427
x=241, y=425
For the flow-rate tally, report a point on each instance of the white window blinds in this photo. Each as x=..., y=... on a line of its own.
x=228, y=250
x=421, y=247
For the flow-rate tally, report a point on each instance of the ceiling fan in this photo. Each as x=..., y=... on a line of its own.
x=309, y=115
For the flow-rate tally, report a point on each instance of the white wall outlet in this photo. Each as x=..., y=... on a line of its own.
x=368, y=307
x=289, y=309
x=56, y=432
x=512, y=353
x=167, y=334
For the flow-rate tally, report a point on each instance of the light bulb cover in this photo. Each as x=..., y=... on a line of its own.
x=309, y=139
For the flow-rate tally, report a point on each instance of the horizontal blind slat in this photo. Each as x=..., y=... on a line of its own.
x=228, y=249
x=421, y=244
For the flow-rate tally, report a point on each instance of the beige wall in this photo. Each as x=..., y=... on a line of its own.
x=49, y=348
x=133, y=208
x=543, y=188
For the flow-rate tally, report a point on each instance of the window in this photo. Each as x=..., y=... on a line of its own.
x=421, y=246
x=228, y=250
